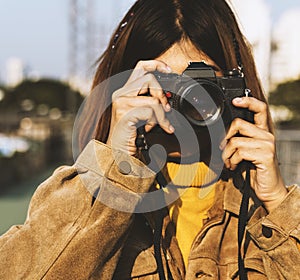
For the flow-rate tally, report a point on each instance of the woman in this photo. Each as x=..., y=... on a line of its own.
x=83, y=223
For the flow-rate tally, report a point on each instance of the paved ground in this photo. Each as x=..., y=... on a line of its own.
x=14, y=203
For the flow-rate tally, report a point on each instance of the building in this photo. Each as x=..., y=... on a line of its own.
x=14, y=71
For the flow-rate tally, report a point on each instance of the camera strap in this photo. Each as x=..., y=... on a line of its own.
x=141, y=144
x=237, y=52
x=242, y=222
x=243, y=212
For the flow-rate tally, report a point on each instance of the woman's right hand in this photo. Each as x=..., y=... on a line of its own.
x=130, y=106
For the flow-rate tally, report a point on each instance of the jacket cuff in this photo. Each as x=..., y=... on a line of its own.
x=114, y=178
x=116, y=166
x=271, y=230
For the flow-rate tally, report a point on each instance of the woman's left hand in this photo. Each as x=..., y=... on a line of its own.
x=256, y=144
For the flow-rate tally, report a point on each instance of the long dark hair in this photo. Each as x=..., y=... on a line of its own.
x=150, y=28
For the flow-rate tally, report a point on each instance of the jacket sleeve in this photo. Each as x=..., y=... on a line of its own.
x=278, y=234
x=78, y=219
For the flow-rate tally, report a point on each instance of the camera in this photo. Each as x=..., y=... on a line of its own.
x=201, y=100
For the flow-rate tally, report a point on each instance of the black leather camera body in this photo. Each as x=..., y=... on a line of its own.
x=201, y=105
x=202, y=98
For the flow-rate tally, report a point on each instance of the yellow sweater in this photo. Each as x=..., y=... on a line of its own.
x=190, y=209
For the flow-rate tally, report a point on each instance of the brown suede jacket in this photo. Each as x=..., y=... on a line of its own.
x=69, y=234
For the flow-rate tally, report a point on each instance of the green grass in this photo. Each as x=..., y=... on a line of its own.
x=14, y=202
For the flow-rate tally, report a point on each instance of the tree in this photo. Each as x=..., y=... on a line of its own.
x=288, y=95
x=52, y=93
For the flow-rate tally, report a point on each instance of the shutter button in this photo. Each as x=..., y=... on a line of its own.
x=267, y=232
x=124, y=167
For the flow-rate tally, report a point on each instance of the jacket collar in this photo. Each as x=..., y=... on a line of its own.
x=232, y=198
x=227, y=198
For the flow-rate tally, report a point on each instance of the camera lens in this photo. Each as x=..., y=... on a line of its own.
x=201, y=102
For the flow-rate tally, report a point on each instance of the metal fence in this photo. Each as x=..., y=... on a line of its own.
x=288, y=150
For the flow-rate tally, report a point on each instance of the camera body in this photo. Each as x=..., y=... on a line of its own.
x=201, y=106
x=202, y=98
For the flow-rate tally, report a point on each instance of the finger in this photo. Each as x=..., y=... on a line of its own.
x=150, y=125
x=257, y=157
x=133, y=111
x=258, y=107
x=249, y=149
x=143, y=85
x=145, y=66
x=233, y=145
x=247, y=129
x=236, y=159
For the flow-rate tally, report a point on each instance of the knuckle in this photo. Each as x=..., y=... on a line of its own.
x=238, y=154
x=116, y=94
x=140, y=63
x=154, y=101
x=264, y=106
x=237, y=122
x=271, y=137
x=146, y=64
x=154, y=83
x=234, y=160
x=224, y=156
x=234, y=124
x=271, y=147
x=232, y=143
x=118, y=102
x=270, y=143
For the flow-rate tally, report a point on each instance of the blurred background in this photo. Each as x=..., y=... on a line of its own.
x=48, y=52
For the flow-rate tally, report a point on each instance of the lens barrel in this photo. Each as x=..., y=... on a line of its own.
x=201, y=102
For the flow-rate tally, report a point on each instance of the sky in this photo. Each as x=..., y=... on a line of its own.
x=38, y=32
x=278, y=7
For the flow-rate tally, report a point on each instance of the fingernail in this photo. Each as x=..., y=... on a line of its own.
x=238, y=100
x=171, y=128
x=223, y=144
x=168, y=107
x=168, y=69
